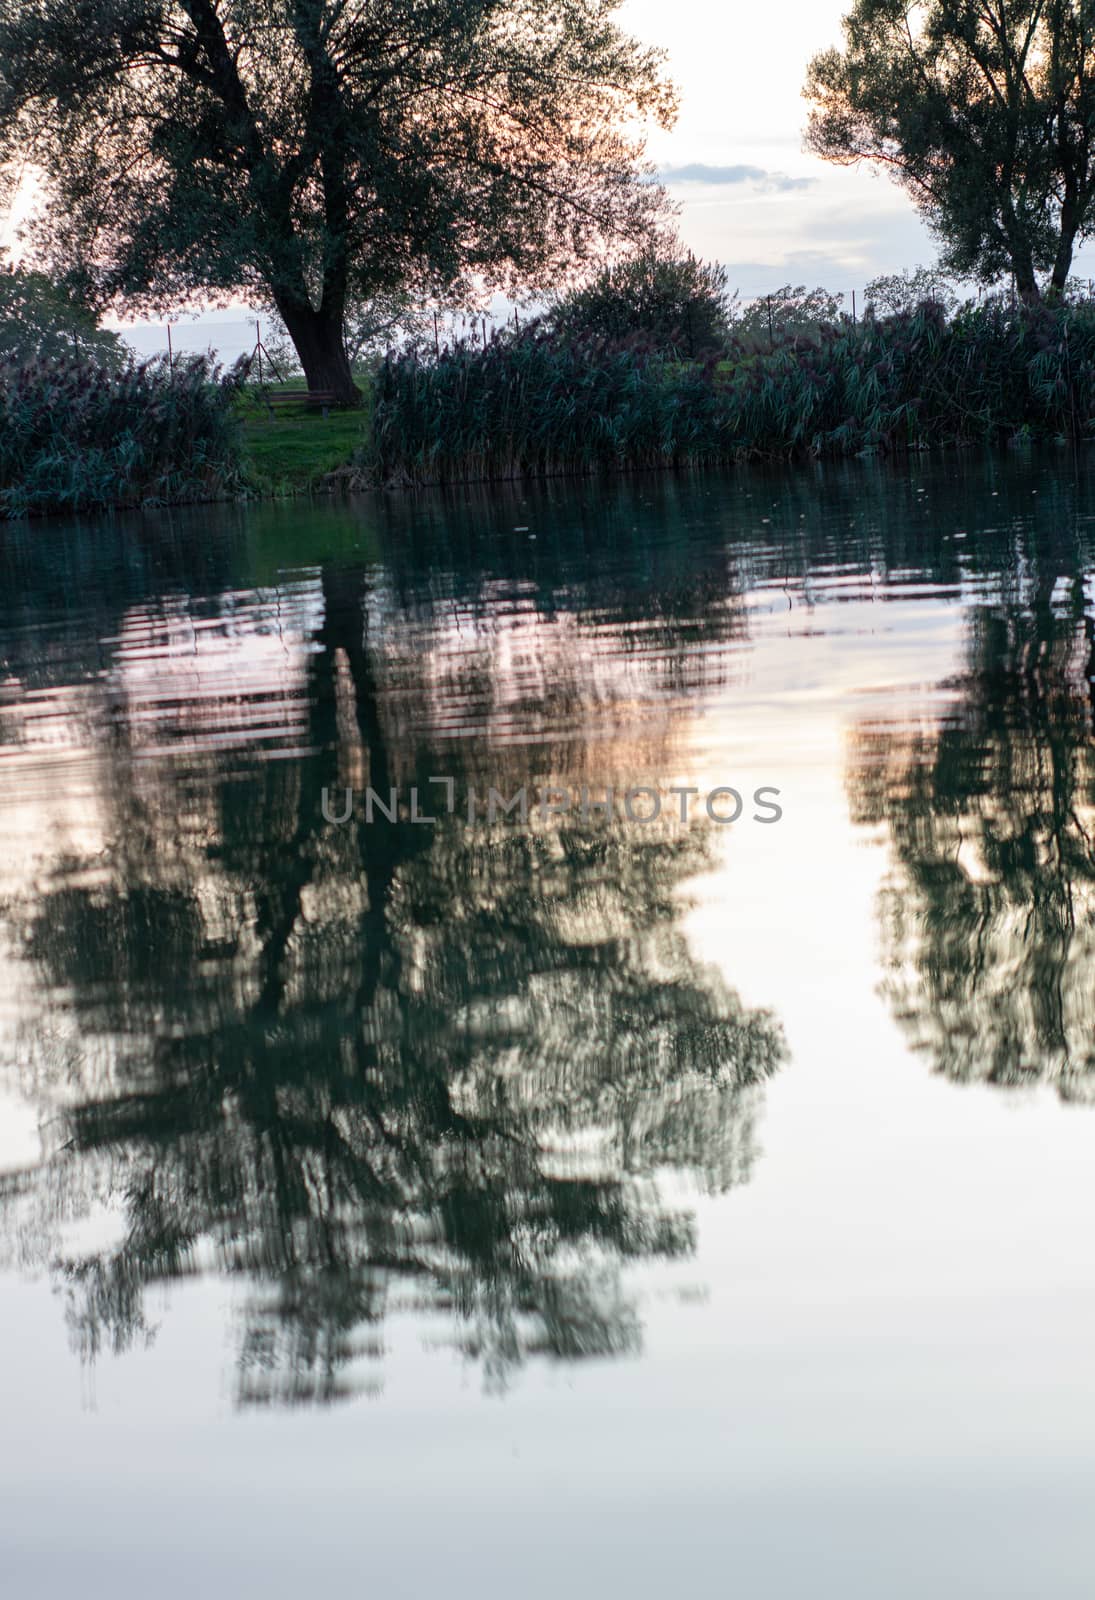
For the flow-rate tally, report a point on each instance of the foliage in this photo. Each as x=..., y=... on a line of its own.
x=1079, y=290
x=984, y=114
x=77, y=436
x=677, y=301
x=41, y=317
x=374, y=326
x=895, y=293
x=321, y=154
x=534, y=405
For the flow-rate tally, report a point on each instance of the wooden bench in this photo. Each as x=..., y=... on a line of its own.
x=314, y=399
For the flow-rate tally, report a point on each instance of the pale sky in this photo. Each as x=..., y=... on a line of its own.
x=739, y=69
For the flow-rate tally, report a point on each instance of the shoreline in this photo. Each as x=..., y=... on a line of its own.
x=348, y=482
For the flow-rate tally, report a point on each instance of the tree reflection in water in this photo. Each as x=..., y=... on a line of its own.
x=381, y=1066
x=988, y=919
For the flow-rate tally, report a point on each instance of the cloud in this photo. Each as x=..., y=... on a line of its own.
x=759, y=177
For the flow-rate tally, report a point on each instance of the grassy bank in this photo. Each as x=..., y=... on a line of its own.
x=297, y=450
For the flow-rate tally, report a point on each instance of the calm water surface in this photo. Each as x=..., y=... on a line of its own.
x=569, y=1204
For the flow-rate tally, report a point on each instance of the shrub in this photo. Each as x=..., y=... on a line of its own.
x=676, y=302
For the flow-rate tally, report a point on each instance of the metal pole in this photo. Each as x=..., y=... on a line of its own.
x=258, y=345
x=170, y=352
x=436, y=339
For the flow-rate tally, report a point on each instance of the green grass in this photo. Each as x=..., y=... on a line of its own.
x=296, y=449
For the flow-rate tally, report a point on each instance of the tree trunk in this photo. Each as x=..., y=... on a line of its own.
x=1025, y=279
x=319, y=342
x=1062, y=263
x=1021, y=252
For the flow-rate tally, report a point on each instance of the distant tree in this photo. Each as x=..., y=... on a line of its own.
x=679, y=301
x=373, y=326
x=322, y=153
x=40, y=317
x=895, y=292
x=985, y=114
x=788, y=311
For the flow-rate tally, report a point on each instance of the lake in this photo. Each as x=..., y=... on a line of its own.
x=425, y=1172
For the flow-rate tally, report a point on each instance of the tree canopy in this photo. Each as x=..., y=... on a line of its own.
x=984, y=112
x=788, y=312
x=314, y=152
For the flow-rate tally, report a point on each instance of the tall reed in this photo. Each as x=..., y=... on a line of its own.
x=534, y=405
x=76, y=436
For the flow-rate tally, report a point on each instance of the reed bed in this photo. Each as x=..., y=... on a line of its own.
x=535, y=404
x=76, y=436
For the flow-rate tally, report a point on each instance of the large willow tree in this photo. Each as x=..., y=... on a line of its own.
x=317, y=152
x=984, y=111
